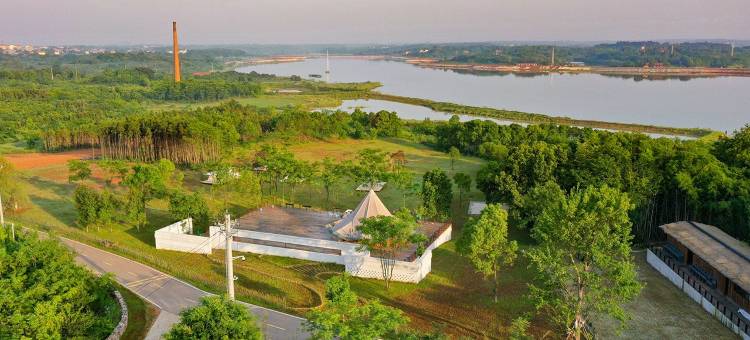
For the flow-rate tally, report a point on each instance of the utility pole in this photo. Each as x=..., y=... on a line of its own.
x=52, y=73
x=731, y=54
x=230, y=269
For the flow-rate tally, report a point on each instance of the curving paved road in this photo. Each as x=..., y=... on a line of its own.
x=172, y=295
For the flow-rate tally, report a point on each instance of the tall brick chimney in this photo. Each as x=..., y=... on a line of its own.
x=175, y=52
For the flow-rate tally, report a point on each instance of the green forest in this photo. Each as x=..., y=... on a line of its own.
x=44, y=294
x=620, y=54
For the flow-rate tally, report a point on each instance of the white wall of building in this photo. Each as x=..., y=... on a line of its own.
x=358, y=263
x=664, y=269
x=177, y=236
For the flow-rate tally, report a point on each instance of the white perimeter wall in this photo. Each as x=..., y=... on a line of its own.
x=177, y=237
x=347, y=249
x=358, y=263
x=413, y=272
x=664, y=269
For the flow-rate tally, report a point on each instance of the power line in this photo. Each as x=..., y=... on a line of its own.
x=191, y=252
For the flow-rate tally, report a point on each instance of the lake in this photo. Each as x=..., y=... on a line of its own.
x=720, y=103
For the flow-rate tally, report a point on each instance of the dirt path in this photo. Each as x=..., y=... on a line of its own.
x=25, y=161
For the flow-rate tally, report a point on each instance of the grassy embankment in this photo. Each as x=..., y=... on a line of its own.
x=141, y=315
x=535, y=118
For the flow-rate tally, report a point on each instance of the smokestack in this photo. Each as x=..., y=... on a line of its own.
x=175, y=52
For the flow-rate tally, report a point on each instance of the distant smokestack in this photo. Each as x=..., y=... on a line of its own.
x=175, y=52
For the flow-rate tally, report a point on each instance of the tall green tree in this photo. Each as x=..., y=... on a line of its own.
x=386, y=236
x=184, y=205
x=216, y=318
x=94, y=208
x=583, y=260
x=146, y=182
x=534, y=202
x=463, y=183
x=330, y=174
x=344, y=317
x=454, y=155
x=370, y=167
x=484, y=241
x=436, y=194
x=11, y=193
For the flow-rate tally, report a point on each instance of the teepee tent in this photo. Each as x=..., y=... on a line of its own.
x=370, y=206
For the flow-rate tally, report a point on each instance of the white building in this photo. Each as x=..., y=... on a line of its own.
x=312, y=235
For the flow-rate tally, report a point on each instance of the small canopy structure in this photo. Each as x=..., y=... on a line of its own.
x=370, y=206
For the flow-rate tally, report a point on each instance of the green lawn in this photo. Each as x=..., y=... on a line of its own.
x=141, y=315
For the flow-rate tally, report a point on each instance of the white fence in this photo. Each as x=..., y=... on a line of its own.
x=403, y=271
x=694, y=294
x=177, y=236
x=288, y=246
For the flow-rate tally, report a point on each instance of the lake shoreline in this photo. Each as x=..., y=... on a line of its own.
x=538, y=118
x=620, y=70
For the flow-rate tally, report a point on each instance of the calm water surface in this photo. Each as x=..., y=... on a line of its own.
x=720, y=103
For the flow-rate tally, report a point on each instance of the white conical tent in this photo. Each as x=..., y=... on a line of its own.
x=370, y=206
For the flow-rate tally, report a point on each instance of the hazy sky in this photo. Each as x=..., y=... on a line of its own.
x=367, y=21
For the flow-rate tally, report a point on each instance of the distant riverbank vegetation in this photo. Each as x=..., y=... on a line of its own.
x=535, y=118
x=620, y=54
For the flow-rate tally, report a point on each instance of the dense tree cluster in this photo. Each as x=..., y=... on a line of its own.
x=45, y=295
x=667, y=180
x=633, y=54
x=344, y=317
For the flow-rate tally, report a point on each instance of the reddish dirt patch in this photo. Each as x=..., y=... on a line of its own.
x=24, y=161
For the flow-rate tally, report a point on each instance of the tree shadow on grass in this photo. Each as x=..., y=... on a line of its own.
x=60, y=189
x=157, y=219
x=60, y=209
x=246, y=282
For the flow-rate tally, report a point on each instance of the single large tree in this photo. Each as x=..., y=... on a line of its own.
x=463, y=183
x=216, y=318
x=454, y=155
x=344, y=317
x=370, y=167
x=386, y=236
x=94, y=208
x=11, y=192
x=329, y=175
x=484, y=241
x=583, y=259
x=146, y=182
x=184, y=205
x=437, y=193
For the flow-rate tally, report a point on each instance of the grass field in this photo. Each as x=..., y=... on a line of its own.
x=141, y=315
x=453, y=294
x=663, y=311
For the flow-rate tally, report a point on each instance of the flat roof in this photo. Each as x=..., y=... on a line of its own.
x=312, y=224
x=290, y=221
x=728, y=255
